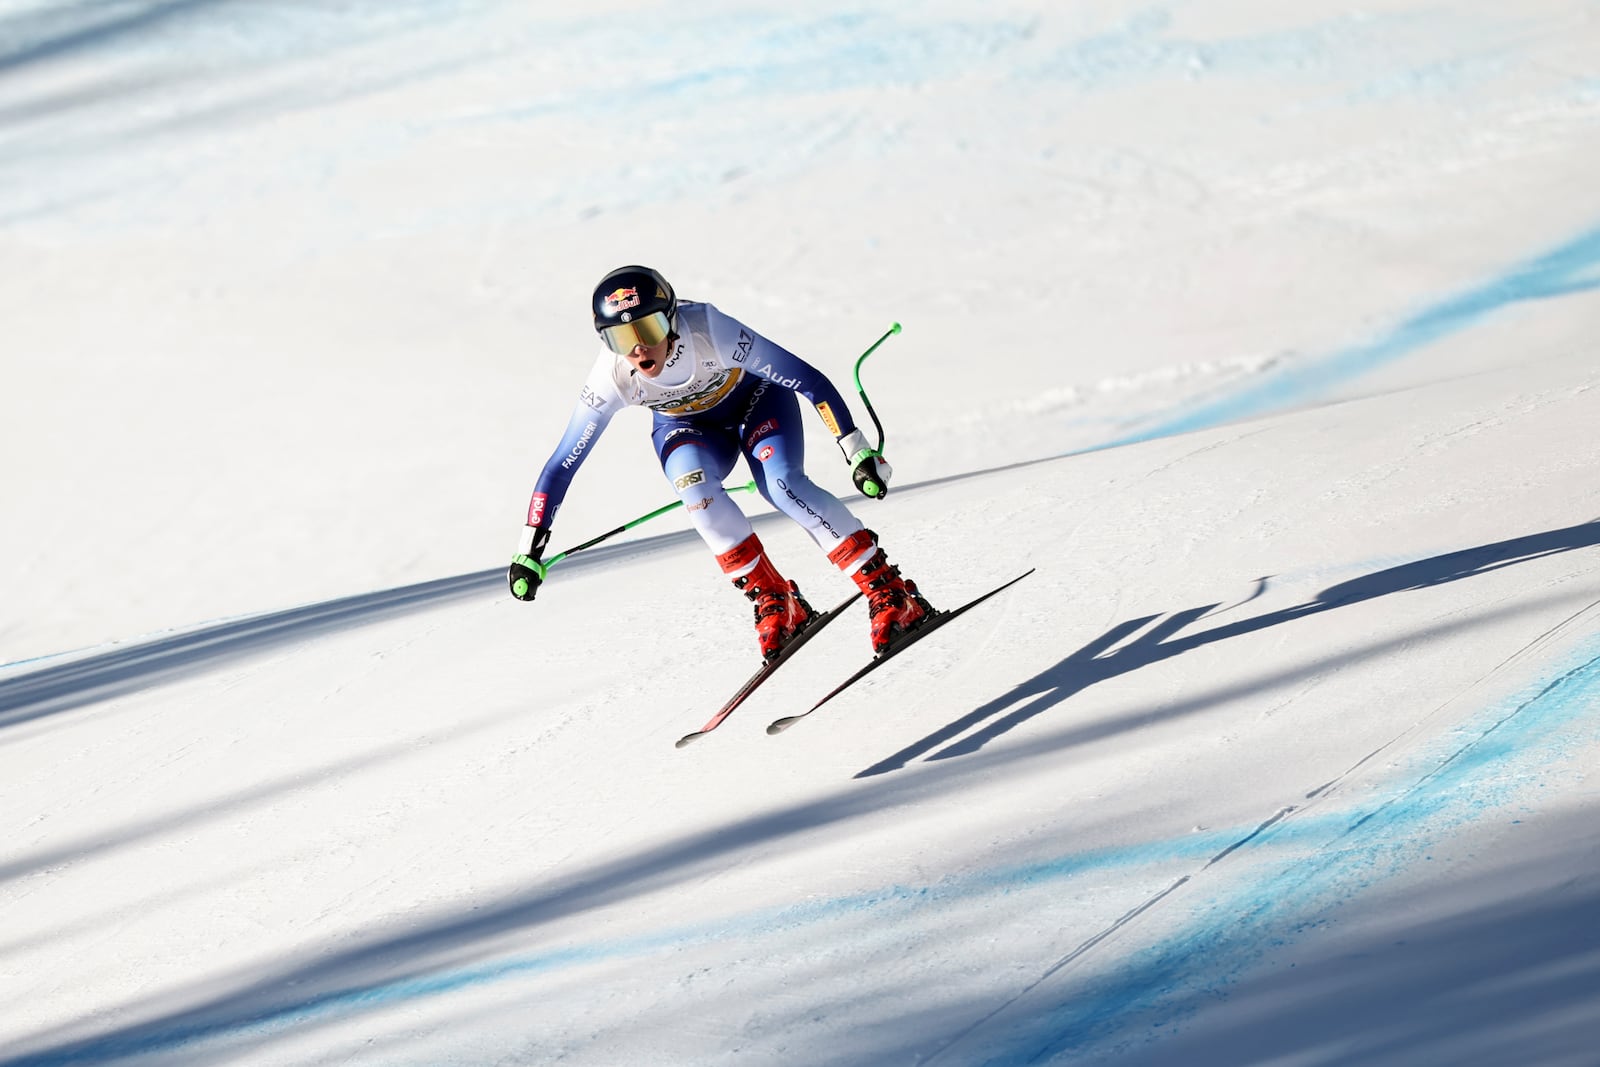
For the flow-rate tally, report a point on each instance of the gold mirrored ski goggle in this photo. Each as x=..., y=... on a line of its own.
x=648, y=330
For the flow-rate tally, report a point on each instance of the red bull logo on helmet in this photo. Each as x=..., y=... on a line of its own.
x=621, y=300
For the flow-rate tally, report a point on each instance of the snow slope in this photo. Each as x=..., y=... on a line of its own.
x=1266, y=334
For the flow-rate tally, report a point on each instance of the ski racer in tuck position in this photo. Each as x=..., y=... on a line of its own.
x=718, y=390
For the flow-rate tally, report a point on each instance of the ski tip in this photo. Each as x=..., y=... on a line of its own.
x=686, y=738
x=783, y=724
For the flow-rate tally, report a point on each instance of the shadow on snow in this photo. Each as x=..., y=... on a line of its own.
x=120, y=671
x=1498, y=968
x=1095, y=662
x=300, y=994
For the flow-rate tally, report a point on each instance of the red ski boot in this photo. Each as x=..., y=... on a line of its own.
x=781, y=611
x=893, y=602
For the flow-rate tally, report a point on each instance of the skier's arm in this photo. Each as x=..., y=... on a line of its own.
x=868, y=469
x=598, y=402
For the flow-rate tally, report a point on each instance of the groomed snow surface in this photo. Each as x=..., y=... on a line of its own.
x=1269, y=334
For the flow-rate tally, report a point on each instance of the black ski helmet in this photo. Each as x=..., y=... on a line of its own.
x=626, y=303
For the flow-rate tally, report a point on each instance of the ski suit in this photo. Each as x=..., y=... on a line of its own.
x=725, y=391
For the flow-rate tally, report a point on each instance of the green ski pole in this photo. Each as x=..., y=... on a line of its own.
x=869, y=487
x=543, y=568
x=893, y=329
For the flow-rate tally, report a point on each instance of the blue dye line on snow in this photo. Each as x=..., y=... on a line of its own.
x=1308, y=862
x=1567, y=269
x=1513, y=744
x=347, y=1002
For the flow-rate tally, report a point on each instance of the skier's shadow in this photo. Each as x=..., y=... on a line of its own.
x=1094, y=662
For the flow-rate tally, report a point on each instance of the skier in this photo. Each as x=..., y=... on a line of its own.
x=718, y=390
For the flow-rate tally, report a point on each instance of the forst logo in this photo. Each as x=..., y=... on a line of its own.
x=621, y=300
x=694, y=477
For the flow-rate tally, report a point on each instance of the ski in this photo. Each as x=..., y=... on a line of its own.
x=939, y=619
x=818, y=621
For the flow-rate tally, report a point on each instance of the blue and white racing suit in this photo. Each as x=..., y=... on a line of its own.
x=725, y=391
